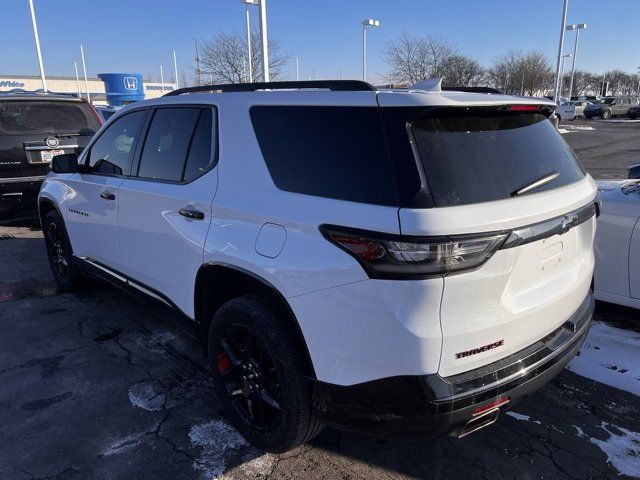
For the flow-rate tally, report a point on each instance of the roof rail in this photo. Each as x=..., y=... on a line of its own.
x=472, y=89
x=334, y=85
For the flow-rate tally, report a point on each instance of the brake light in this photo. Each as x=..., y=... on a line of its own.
x=523, y=108
x=490, y=406
x=397, y=256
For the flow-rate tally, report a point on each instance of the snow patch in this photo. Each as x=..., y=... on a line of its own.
x=519, y=416
x=220, y=441
x=147, y=396
x=579, y=127
x=623, y=451
x=122, y=445
x=563, y=130
x=612, y=356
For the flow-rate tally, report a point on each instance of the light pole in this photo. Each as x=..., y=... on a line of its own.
x=37, y=39
x=84, y=68
x=369, y=22
x=198, y=72
x=298, y=71
x=556, y=87
x=577, y=28
x=265, y=40
x=161, y=79
x=248, y=3
x=175, y=69
x=75, y=67
x=562, y=75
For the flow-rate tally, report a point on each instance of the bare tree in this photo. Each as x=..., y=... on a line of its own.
x=461, y=71
x=413, y=59
x=515, y=72
x=224, y=58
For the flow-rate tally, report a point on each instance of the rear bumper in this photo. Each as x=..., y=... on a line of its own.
x=430, y=406
x=20, y=187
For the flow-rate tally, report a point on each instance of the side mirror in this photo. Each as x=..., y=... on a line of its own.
x=67, y=163
x=634, y=171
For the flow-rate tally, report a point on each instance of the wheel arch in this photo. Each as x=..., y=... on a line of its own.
x=45, y=205
x=222, y=282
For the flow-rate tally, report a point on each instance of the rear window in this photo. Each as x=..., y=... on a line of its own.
x=333, y=152
x=486, y=155
x=26, y=117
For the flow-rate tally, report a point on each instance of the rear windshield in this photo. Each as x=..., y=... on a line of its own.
x=486, y=155
x=27, y=117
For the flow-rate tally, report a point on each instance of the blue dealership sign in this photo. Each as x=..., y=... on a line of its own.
x=122, y=88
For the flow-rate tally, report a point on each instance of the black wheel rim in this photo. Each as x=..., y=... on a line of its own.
x=250, y=377
x=57, y=255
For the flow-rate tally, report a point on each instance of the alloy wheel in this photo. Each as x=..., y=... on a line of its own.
x=57, y=255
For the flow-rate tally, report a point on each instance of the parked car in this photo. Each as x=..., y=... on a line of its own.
x=33, y=128
x=398, y=262
x=571, y=110
x=634, y=112
x=617, y=275
x=106, y=112
x=611, y=107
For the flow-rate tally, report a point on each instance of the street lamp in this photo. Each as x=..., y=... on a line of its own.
x=84, y=68
x=37, y=39
x=161, y=79
x=247, y=3
x=577, y=28
x=556, y=86
x=175, y=69
x=369, y=22
x=75, y=67
x=562, y=75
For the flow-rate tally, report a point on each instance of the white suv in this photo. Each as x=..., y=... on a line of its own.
x=397, y=262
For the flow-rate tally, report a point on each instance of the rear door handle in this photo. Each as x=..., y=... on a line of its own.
x=107, y=196
x=190, y=213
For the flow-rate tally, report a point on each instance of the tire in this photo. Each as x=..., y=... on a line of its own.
x=260, y=374
x=59, y=252
x=606, y=114
x=559, y=117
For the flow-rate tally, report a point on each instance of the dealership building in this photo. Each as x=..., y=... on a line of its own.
x=108, y=89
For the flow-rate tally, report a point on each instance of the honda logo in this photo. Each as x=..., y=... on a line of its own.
x=130, y=83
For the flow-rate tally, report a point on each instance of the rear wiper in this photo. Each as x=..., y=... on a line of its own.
x=537, y=183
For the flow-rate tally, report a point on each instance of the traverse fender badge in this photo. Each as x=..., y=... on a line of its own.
x=484, y=348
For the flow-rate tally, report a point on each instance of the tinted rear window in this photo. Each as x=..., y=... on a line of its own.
x=486, y=155
x=334, y=152
x=29, y=116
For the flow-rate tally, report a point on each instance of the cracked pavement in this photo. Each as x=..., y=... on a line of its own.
x=99, y=385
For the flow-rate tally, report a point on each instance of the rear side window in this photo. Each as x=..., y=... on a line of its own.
x=333, y=152
x=112, y=152
x=486, y=155
x=29, y=116
x=178, y=145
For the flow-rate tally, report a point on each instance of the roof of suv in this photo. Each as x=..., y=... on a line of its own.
x=19, y=94
x=351, y=89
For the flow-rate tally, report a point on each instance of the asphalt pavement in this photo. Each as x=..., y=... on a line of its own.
x=98, y=385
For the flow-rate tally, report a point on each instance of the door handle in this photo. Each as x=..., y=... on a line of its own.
x=190, y=213
x=107, y=196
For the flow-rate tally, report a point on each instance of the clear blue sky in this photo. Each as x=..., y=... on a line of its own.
x=136, y=35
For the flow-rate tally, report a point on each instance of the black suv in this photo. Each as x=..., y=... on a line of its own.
x=611, y=107
x=33, y=128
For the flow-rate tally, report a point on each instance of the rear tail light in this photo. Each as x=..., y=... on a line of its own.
x=523, y=108
x=397, y=256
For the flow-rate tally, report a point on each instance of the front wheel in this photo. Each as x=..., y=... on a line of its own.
x=260, y=374
x=59, y=252
x=606, y=114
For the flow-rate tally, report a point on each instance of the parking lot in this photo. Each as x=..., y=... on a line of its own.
x=100, y=385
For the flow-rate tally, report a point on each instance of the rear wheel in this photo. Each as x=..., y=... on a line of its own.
x=606, y=114
x=59, y=252
x=258, y=369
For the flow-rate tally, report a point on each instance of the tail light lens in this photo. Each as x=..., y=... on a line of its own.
x=397, y=256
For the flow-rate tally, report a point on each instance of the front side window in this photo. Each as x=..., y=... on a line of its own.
x=112, y=153
x=487, y=155
x=178, y=145
x=332, y=152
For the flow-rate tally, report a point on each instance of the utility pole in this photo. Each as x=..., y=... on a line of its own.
x=75, y=67
x=37, y=39
x=265, y=40
x=175, y=69
x=84, y=68
x=298, y=73
x=556, y=87
x=197, y=64
x=161, y=79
